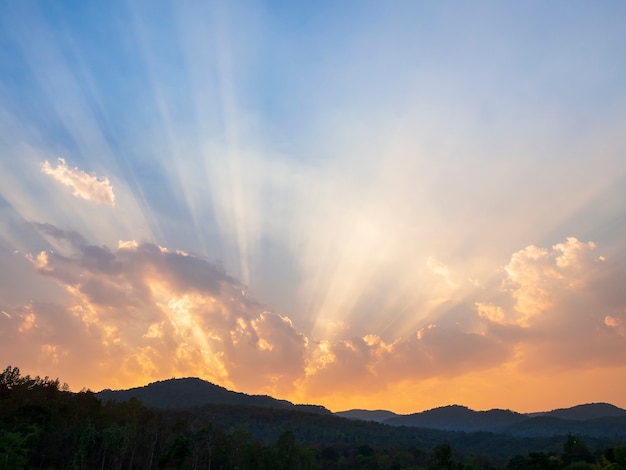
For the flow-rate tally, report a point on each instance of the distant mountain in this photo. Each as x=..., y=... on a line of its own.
x=597, y=419
x=377, y=416
x=188, y=392
x=459, y=418
x=584, y=412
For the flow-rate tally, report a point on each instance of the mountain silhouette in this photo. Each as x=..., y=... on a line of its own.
x=378, y=416
x=188, y=392
x=459, y=418
x=593, y=419
x=584, y=412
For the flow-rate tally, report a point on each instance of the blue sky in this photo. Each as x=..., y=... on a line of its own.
x=383, y=185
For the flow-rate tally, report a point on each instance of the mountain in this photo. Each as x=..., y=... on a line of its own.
x=378, y=416
x=459, y=418
x=594, y=419
x=188, y=392
x=584, y=412
x=258, y=431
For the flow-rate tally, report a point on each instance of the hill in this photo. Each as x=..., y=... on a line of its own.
x=584, y=412
x=377, y=416
x=188, y=392
x=598, y=420
x=459, y=418
x=79, y=430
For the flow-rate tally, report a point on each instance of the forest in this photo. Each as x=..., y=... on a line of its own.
x=45, y=426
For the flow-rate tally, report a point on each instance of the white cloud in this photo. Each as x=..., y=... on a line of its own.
x=567, y=307
x=536, y=276
x=85, y=186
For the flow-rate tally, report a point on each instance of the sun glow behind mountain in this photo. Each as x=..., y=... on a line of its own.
x=335, y=204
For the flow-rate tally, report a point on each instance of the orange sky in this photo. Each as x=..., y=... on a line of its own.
x=548, y=335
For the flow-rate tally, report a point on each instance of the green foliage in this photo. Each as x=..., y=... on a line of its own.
x=441, y=458
x=286, y=450
x=13, y=450
x=178, y=454
x=579, y=465
x=614, y=458
x=575, y=450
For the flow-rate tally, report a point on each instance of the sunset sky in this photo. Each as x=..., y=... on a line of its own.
x=386, y=205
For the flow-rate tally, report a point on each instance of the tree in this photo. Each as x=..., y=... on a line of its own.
x=13, y=450
x=86, y=445
x=330, y=454
x=178, y=454
x=441, y=458
x=9, y=380
x=615, y=458
x=541, y=461
x=575, y=450
x=287, y=451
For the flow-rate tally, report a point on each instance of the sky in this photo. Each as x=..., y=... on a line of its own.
x=384, y=205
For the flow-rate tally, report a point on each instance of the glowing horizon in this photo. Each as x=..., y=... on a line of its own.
x=330, y=204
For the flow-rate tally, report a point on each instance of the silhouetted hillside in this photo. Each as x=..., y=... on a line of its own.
x=584, y=412
x=459, y=418
x=600, y=420
x=604, y=421
x=44, y=426
x=183, y=393
x=377, y=416
x=266, y=425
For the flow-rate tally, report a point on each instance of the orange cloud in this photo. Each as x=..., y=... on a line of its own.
x=142, y=312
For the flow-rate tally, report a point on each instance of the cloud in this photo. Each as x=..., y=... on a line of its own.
x=140, y=312
x=535, y=275
x=85, y=186
x=616, y=323
x=159, y=313
x=567, y=305
x=371, y=363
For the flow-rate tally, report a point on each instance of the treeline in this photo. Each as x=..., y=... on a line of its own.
x=44, y=426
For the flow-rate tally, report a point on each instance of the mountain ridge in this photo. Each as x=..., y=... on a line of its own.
x=593, y=419
x=597, y=419
x=583, y=412
x=193, y=391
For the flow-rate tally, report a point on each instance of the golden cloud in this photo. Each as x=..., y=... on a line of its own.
x=85, y=186
x=141, y=312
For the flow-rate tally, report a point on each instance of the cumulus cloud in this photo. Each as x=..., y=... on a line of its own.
x=370, y=362
x=156, y=313
x=85, y=186
x=565, y=301
x=159, y=313
x=140, y=312
x=536, y=275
